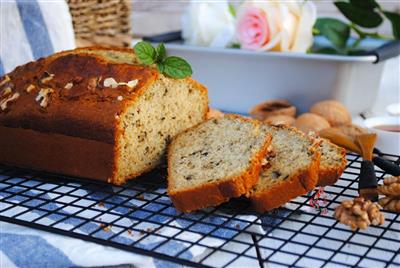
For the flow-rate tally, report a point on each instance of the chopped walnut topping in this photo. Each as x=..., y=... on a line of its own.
x=92, y=84
x=48, y=77
x=69, y=85
x=131, y=83
x=120, y=98
x=5, y=80
x=117, y=117
x=110, y=82
x=7, y=91
x=4, y=102
x=30, y=88
x=43, y=96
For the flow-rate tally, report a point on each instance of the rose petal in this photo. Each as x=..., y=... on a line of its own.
x=208, y=23
x=252, y=28
x=289, y=27
x=304, y=37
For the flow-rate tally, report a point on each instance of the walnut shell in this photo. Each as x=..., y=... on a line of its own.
x=280, y=119
x=333, y=111
x=352, y=130
x=311, y=122
x=273, y=107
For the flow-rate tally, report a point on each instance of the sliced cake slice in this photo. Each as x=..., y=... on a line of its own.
x=291, y=170
x=215, y=161
x=333, y=162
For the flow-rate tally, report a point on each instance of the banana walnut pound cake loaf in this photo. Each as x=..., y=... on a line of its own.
x=94, y=112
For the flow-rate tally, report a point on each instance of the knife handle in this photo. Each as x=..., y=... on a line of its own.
x=367, y=175
x=387, y=166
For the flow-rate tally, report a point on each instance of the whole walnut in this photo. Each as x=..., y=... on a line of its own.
x=273, y=107
x=311, y=122
x=280, y=119
x=333, y=111
x=352, y=130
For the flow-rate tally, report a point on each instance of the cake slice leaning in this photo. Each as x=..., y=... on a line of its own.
x=291, y=170
x=333, y=162
x=215, y=161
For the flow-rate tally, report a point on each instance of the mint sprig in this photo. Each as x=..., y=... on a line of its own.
x=145, y=53
x=173, y=66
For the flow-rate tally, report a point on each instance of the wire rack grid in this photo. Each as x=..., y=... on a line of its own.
x=139, y=217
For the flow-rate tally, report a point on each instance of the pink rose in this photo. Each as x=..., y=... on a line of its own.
x=275, y=25
x=252, y=28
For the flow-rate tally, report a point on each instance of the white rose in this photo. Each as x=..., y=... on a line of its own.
x=276, y=25
x=208, y=24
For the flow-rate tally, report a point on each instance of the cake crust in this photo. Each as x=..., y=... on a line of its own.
x=56, y=153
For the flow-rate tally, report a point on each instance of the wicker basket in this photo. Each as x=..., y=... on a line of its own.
x=101, y=22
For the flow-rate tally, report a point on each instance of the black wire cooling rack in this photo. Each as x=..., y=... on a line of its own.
x=139, y=217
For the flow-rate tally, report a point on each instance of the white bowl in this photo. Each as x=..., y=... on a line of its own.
x=388, y=141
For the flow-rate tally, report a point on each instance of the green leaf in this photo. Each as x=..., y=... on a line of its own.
x=161, y=52
x=395, y=20
x=362, y=17
x=235, y=45
x=160, y=67
x=145, y=52
x=326, y=50
x=356, y=52
x=365, y=4
x=176, y=67
x=334, y=30
x=315, y=31
x=232, y=10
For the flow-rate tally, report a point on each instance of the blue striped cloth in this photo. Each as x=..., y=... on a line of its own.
x=31, y=29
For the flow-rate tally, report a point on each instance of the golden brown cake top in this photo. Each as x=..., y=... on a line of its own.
x=73, y=94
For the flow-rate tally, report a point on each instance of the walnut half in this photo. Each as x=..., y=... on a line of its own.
x=391, y=190
x=390, y=187
x=359, y=213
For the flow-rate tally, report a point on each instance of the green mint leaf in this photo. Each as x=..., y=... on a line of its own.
x=365, y=4
x=362, y=17
x=176, y=67
x=145, y=52
x=395, y=20
x=232, y=10
x=160, y=67
x=336, y=31
x=161, y=52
